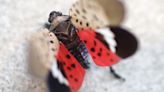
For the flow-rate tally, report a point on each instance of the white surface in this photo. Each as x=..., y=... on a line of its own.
x=143, y=72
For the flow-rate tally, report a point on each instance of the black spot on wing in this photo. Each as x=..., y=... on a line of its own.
x=69, y=68
x=94, y=43
x=77, y=11
x=84, y=11
x=108, y=54
x=111, y=60
x=74, y=5
x=75, y=15
x=63, y=63
x=99, y=54
x=51, y=35
x=76, y=79
x=51, y=41
x=77, y=20
x=100, y=49
x=93, y=49
x=53, y=49
x=73, y=65
x=85, y=41
x=84, y=17
x=71, y=76
x=68, y=56
x=81, y=23
x=95, y=17
x=87, y=24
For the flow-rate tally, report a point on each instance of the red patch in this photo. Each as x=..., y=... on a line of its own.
x=72, y=68
x=101, y=55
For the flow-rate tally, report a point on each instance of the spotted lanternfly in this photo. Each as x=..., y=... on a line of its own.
x=63, y=49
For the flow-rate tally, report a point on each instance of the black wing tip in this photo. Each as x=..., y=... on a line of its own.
x=127, y=43
x=55, y=86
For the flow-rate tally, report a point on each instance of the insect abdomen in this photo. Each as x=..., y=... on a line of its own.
x=81, y=54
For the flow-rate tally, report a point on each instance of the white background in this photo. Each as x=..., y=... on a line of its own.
x=143, y=72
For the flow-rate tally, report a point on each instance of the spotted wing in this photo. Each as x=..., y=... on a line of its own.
x=71, y=67
x=96, y=13
x=88, y=13
x=42, y=47
x=101, y=55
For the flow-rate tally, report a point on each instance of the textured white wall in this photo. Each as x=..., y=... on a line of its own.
x=143, y=72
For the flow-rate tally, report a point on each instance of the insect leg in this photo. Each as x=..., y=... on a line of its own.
x=115, y=74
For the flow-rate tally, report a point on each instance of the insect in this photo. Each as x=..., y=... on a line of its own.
x=64, y=47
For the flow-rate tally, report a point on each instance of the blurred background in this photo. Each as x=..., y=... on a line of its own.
x=143, y=71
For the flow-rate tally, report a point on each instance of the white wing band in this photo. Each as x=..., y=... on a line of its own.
x=57, y=73
x=109, y=37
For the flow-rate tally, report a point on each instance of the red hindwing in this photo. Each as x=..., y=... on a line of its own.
x=72, y=68
x=101, y=55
